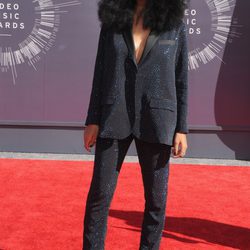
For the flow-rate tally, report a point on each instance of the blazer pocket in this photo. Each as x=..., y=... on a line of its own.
x=162, y=104
x=108, y=99
x=166, y=42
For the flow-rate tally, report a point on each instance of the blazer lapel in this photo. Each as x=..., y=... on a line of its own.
x=150, y=42
x=127, y=35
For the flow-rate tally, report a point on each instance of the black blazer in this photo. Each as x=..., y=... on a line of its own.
x=148, y=99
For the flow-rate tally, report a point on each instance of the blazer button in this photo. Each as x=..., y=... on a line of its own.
x=130, y=56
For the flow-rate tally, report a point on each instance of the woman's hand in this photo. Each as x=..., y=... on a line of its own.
x=180, y=145
x=90, y=135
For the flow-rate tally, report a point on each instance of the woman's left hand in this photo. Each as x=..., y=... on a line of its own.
x=180, y=145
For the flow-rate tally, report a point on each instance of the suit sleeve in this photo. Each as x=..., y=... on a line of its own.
x=94, y=109
x=181, y=81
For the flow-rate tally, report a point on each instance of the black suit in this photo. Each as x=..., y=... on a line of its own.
x=146, y=102
x=148, y=99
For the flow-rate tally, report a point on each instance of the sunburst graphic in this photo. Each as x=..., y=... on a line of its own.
x=223, y=28
x=39, y=41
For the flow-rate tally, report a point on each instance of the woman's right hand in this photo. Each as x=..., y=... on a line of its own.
x=90, y=135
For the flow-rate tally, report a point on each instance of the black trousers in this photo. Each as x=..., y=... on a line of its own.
x=109, y=156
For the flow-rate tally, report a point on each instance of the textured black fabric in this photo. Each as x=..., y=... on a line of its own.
x=154, y=165
x=148, y=99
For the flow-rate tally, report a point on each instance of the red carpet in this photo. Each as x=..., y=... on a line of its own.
x=42, y=204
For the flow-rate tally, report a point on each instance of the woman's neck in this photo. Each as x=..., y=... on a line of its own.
x=140, y=4
x=139, y=9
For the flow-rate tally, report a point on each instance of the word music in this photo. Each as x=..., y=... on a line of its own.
x=10, y=17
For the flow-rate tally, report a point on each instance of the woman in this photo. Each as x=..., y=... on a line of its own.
x=139, y=92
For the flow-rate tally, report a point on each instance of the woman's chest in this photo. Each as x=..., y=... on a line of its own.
x=163, y=49
x=139, y=40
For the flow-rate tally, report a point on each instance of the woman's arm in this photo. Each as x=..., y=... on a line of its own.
x=93, y=114
x=181, y=76
x=181, y=82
